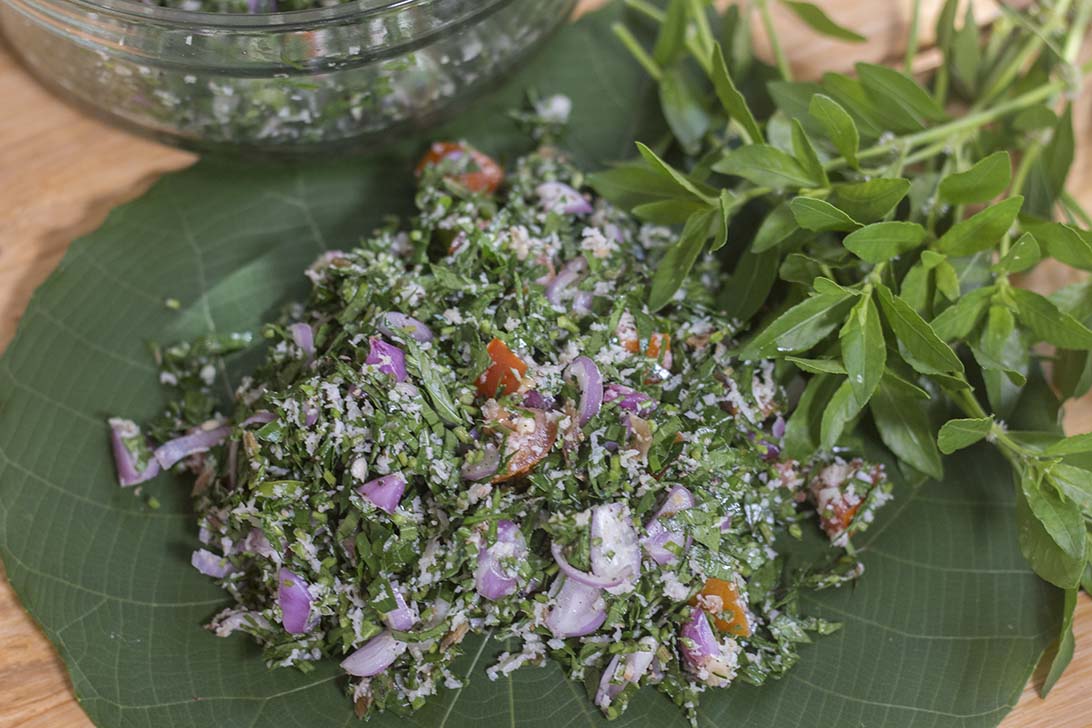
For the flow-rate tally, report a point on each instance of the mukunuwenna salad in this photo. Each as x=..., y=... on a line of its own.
x=474, y=426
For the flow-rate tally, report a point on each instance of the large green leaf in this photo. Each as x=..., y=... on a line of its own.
x=943, y=629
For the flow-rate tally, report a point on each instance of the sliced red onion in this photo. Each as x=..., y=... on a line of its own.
x=582, y=302
x=536, y=400
x=385, y=492
x=261, y=417
x=124, y=460
x=403, y=616
x=658, y=536
x=578, y=610
x=615, y=550
x=210, y=564
x=778, y=428
x=179, y=448
x=622, y=669
x=485, y=467
x=375, y=656
x=590, y=381
x=493, y=579
x=560, y=197
x=629, y=399
x=388, y=358
x=295, y=602
x=569, y=274
x=703, y=653
x=397, y=325
x=256, y=543
x=583, y=577
x=312, y=417
x=304, y=336
x=773, y=452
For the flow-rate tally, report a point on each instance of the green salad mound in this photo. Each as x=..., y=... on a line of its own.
x=476, y=426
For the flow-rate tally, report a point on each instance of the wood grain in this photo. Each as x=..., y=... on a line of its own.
x=61, y=172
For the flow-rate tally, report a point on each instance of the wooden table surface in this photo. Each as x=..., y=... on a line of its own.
x=61, y=172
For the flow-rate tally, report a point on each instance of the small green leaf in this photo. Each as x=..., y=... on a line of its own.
x=872, y=119
x=778, y=225
x=1048, y=173
x=863, y=350
x=680, y=258
x=947, y=280
x=806, y=154
x=1023, y=254
x=966, y=56
x=731, y=99
x=746, y=291
x=1047, y=323
x=995, y=336
x=982, y=230
x=680, y=102
x=1071, y=446
x=683, y=183
x=800, y=328
x=1061, y=653
x=897, y=90
x=803, y=430
x=1064, y=243
x=671, y=40
x=818, y=366
x=723, y=220
x=1060, y=516
x=673, y=211
x=958, y=320
x=1045, y=556
x=904, y=427
x=918, y=343
x=917, y=287
x=882, y=241
x=766, y=166
x=634, y=183
x=842, y=407
x=1074, y=482
x=820, y=22
x=958, y=434
x=872, y=200
x=839, y=126
x=981, y=183
x=820, y=216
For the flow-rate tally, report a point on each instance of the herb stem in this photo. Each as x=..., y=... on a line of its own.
x=912, y=42
x=1024, y=168
x=639, y=53
x=970, y=121
x=775, y=45
x=1031, y=47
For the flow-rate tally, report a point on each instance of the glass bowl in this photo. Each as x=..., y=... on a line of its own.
x=338, y=77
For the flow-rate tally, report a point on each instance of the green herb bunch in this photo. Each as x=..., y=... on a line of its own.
x=869, y=229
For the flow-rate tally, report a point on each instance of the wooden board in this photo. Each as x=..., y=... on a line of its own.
x=61, y=172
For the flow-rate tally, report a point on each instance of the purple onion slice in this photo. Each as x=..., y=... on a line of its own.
x=304, y=337
x=403, y=616
x=388, y=358
x=560, y=197
x=586, y=374
x=210, y=564
x=295, y=602
x=122, y=433
x=615, y=549
x=582, y=577
x=398, y=325
x=375, y=656
x=493, y=578
x=623, y=669
x=385, y=492
x=172, y=451
x=578, y=610
x=569, y=274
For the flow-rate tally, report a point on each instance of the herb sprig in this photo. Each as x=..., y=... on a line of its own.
x=871, y=228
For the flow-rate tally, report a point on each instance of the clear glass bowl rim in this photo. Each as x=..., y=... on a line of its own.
x=134, y=10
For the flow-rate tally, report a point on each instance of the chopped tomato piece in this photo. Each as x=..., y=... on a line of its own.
x=527, y=447
x=506, y=371
x=720, y=599
x=657, y=344
x=487, y=176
